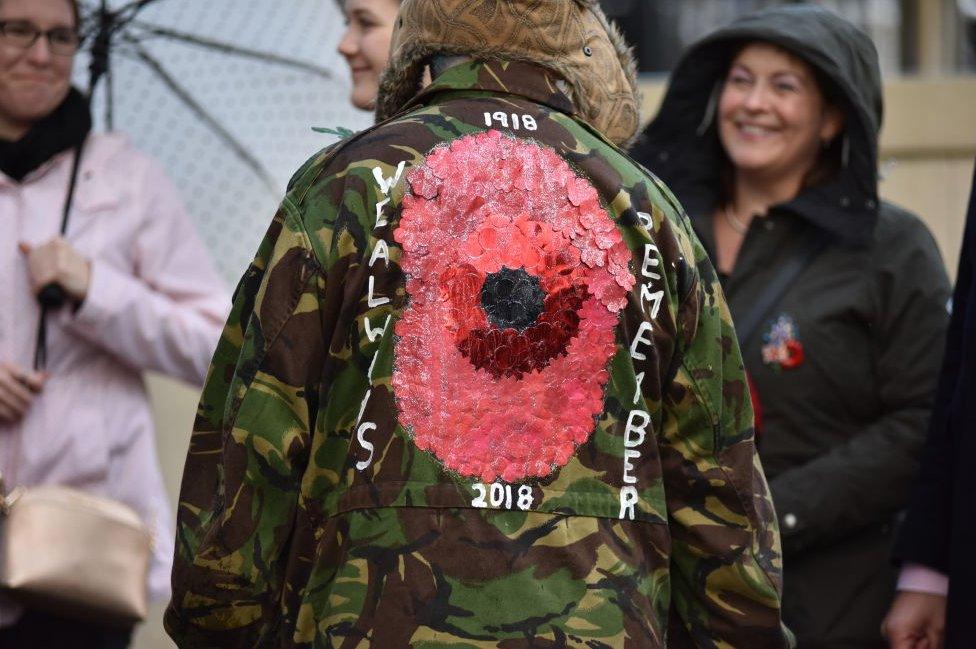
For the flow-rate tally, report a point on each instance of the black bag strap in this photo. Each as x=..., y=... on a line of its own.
x=801, y=257
x=52, y=296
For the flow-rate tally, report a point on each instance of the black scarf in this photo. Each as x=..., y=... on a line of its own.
x=65, y=128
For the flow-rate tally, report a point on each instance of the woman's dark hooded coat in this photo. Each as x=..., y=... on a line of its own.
x=940, y=527
x=844, y=420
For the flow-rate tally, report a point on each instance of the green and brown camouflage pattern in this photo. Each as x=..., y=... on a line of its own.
x=283, y=542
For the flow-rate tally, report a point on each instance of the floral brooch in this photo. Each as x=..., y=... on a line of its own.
x=782, y=348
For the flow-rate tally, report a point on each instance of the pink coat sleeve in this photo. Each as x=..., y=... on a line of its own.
x=919, y=579
x=168, y=313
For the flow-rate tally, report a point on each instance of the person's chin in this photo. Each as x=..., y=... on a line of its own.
x=30, y=112
x=752, y=158
x=33, y=102
x=364, y=100
x=751, y=164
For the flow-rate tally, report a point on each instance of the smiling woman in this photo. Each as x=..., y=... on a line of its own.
x=768, y=135
x=366, y=45
x=777, y=128
x=774, y=118
x=34, y=80
x=143, y=296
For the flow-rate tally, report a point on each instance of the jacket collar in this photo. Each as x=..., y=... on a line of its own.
x=526, y=80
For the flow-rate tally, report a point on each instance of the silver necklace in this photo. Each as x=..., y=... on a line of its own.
x=734, y=221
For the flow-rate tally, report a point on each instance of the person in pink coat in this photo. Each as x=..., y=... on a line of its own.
x=141, y=292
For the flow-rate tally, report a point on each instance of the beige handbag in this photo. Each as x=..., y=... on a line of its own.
x=74, y=554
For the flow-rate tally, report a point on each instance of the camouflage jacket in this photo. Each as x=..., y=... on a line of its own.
x=479, y=388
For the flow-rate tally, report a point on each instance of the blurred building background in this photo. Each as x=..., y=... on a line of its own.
x=911, y=35
x=927, y=48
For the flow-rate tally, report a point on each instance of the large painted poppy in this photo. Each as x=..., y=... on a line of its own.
x=516, y=276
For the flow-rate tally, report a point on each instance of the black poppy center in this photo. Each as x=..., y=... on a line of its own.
x=512, y=299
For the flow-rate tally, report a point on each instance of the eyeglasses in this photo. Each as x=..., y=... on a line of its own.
x=22, y=34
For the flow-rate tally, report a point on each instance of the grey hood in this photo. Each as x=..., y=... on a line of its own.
x=681, y=144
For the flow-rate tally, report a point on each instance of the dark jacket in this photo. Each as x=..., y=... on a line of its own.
x=939, y=529
x=845, y=363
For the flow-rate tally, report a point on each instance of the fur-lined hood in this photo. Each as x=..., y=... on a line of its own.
x=573, y=38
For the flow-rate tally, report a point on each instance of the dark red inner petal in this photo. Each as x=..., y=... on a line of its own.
x=510, y=352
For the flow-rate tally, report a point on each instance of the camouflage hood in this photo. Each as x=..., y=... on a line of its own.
x=570, y=37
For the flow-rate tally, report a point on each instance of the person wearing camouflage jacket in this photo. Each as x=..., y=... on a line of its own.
x=479, y=387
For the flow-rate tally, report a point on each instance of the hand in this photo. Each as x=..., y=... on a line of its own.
x=915, y=621
x=17, y=389
x=56, y=262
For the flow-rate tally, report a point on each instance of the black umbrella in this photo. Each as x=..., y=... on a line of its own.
x=185, y=73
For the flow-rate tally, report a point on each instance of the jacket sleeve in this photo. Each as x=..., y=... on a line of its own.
x=726, y=564
x=916, y=578
x=865, y=480
x=166, y=314
x=249, y=449
x=924, y=535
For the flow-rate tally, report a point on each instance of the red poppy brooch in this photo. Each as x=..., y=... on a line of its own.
x=782, y=348
x=516, y=277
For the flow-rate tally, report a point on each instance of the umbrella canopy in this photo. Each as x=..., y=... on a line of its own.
x=224, y=94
